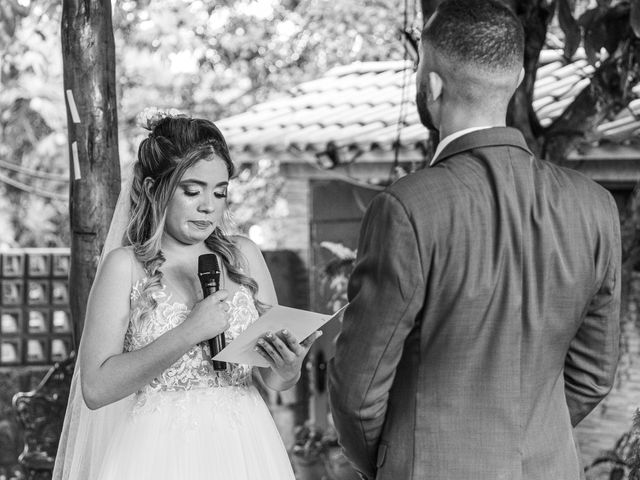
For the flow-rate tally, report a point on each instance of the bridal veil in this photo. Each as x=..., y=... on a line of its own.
x=85, y=432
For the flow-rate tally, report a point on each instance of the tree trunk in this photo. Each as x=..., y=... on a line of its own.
x=535, y=17
x=88, y=53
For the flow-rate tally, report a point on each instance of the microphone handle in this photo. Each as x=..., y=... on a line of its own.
x=217, y=343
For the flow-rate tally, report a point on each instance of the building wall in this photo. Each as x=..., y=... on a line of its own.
x=294, y=229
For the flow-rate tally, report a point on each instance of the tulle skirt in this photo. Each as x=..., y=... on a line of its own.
x=224, y=433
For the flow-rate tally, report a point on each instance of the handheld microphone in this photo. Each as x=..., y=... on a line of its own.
x=209, y=275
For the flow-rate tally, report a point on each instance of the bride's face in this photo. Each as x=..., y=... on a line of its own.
x=198, y=203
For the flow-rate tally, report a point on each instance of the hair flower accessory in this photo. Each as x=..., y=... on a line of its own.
x=151, y=116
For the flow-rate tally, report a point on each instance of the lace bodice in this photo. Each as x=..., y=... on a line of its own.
x=193, y=370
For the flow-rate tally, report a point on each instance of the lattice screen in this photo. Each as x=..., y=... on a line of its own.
x=35, y=325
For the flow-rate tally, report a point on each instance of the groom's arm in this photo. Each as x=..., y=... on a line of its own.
x=386, y=292
x=591, y=361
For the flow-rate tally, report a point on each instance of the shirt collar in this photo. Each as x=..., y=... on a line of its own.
x=450, y=138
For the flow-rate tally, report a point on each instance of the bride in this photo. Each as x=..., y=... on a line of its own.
x=156, y=407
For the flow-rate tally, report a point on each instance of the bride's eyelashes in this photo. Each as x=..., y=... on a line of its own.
x=193, y=193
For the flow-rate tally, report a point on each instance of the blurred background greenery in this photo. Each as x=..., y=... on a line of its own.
x=204, y=57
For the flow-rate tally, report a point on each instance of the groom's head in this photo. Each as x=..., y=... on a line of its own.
x=471, y=57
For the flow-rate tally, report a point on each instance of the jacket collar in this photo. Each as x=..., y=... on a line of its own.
x=488, y=137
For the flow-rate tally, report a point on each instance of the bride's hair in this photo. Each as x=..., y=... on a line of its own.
x=174, y=144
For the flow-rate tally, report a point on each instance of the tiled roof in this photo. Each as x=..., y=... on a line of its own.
x=357, y=107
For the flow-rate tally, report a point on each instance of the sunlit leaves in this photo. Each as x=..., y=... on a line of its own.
x=255, y=199
x=210, y=58
x=244, y=50
x=11, y=14
x=32, y=122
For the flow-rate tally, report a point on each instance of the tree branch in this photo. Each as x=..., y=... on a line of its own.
x=601, y=100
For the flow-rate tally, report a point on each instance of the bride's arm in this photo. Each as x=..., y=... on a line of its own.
x=289, y=353
x=108, y=374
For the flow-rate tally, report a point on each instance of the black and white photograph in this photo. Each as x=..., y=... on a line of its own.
x=320, y=240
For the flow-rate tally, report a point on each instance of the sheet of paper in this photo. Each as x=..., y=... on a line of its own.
x=301, y=323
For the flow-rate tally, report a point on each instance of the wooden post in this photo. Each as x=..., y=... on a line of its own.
x=88, y=53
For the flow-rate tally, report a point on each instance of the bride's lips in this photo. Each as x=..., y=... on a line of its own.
x=201, y=224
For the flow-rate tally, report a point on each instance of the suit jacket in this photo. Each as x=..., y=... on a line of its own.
x=484, y=318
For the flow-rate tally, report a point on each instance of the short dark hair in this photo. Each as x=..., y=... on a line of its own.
x=478, y=32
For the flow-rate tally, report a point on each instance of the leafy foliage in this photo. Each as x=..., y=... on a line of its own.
x=605, y=30
x=216, y=58
x=605, y=26
x=336, y=273
x=208, y=58
x=32, y=126
x=255, y=200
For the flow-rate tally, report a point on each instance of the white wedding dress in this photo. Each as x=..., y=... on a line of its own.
x=193, y=422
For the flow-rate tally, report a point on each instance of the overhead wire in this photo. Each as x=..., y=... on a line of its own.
x=406, y=74
x=29, y=189
x=345, y=178
x=34, y=173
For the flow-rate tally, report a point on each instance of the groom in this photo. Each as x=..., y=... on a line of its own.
x=483, y=323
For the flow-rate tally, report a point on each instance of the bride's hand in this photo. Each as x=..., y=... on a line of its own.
x=208, y=318
x=284, y=353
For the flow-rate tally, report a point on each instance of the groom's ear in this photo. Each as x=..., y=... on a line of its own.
x=435, y=87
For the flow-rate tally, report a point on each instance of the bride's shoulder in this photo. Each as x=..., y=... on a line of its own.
x=123, y=261
x=119, y=262
x=256, y=267
x=244, y=244
x=250, y=251
x=121, y=257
